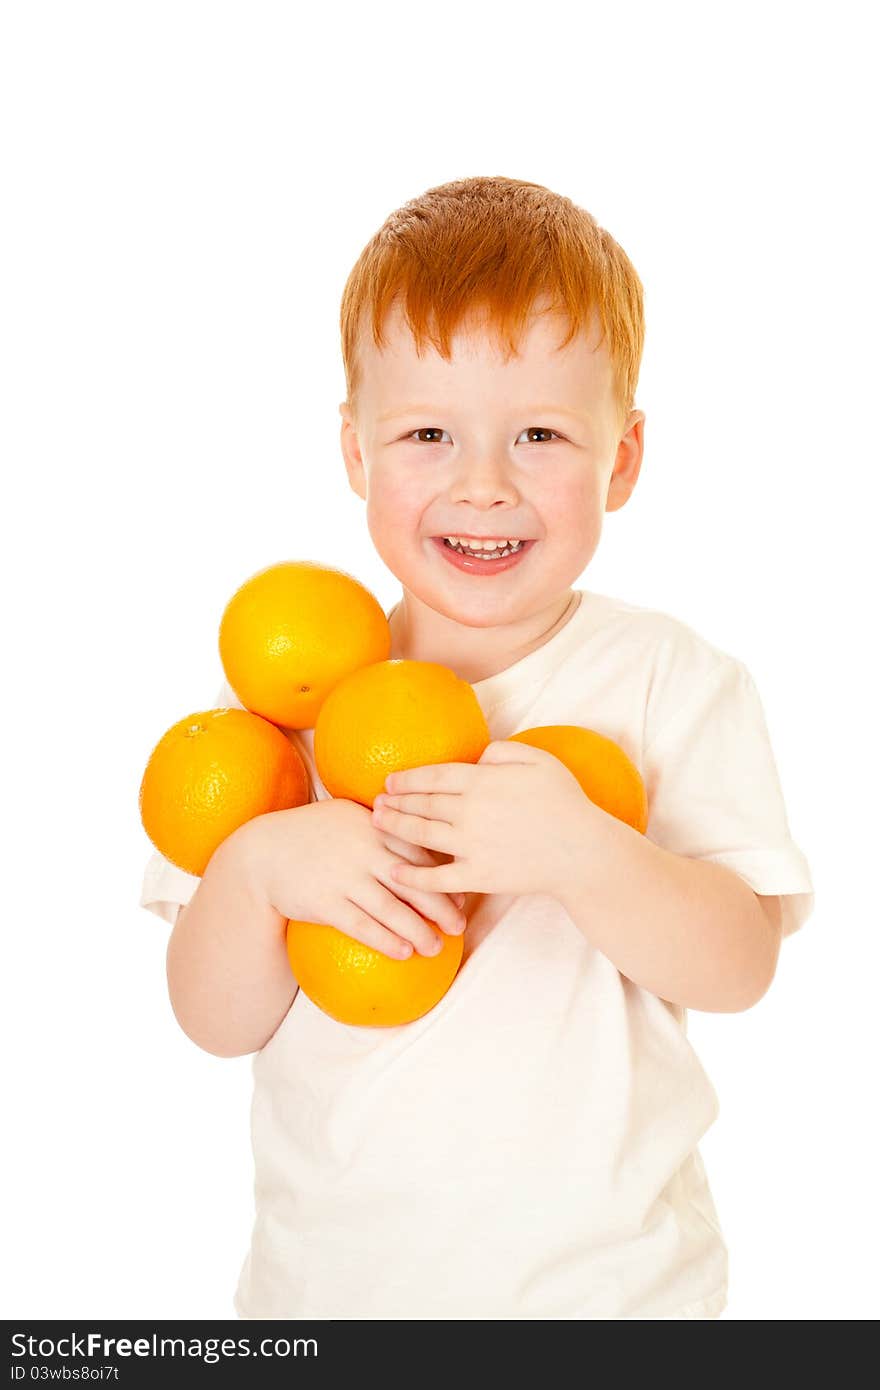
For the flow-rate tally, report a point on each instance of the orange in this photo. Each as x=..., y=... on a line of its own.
x=291, y=631
x=604, y=771
x=394, y=715
x=358, y=985
x=208, y=774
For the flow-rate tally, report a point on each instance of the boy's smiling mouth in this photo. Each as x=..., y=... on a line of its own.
x=482, y=555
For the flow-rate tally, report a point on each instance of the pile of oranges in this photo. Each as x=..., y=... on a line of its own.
x=307, y=646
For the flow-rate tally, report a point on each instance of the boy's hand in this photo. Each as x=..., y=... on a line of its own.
x=326, y=862
x=516, y=821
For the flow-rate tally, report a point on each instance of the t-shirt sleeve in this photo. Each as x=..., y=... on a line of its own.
x=165, y=888
x=714, y=792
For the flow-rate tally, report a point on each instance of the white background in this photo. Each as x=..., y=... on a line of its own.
x=186, y=188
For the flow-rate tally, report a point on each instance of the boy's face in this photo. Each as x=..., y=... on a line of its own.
x=530, y=448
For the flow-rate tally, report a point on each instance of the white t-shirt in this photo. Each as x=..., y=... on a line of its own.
x=528, y=1149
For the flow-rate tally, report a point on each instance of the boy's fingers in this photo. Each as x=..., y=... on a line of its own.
x=444, y=878
x=434, y=777
x=404, y=849
x=432, y=834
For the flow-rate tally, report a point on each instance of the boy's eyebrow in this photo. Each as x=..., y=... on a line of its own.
x=532, y=409
x=406, y=410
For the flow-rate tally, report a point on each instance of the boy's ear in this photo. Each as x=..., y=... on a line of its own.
x=627, y=462
x=351, y=452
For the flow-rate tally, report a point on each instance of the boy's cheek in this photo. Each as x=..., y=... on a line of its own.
x=395, y=516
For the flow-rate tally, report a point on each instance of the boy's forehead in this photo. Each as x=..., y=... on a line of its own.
x=582, y=367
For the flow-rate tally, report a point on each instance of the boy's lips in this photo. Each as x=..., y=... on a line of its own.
x=469, y=564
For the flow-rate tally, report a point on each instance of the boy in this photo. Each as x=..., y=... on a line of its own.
x=528, y=1149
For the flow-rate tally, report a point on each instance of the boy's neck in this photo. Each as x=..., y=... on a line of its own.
x=473, y=653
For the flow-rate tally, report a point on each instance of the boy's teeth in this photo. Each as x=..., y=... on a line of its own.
x=495, y=549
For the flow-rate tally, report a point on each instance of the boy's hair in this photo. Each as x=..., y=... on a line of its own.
x=496, y=245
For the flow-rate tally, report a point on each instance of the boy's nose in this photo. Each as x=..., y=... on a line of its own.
x=483, y=479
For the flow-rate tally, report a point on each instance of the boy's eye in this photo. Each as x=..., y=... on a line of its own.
x=539, y=429
x=530, y=429
x=427, y=429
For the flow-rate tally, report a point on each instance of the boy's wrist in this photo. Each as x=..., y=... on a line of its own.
x=591, y=844
x=247, y=853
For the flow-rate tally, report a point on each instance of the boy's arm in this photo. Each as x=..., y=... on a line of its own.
x=688, y=930
x=229, y=977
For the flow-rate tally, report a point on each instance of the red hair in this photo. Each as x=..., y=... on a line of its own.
x=498, y=245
